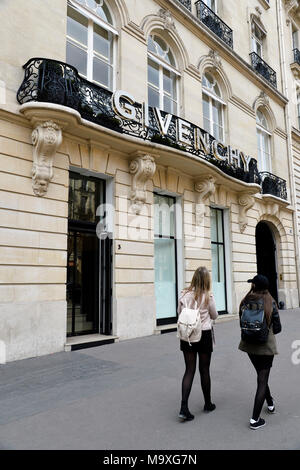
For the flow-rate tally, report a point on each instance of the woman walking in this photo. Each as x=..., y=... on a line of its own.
x=261, y=354
x=198, y=295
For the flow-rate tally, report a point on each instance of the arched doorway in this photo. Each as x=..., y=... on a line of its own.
x=266, y=256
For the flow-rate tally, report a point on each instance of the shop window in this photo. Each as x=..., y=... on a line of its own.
x=90, y=43
x=213, y=107
x=218, y=259
x=162, y=76
x=263, y=142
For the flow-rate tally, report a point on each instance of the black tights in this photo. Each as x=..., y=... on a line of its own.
x=190, y=359
x=262, y=392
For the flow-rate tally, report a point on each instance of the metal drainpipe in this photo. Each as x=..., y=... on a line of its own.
x=289, y=133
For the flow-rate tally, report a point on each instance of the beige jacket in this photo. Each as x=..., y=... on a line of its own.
x=207, y=313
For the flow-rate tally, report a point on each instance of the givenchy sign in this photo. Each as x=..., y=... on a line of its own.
x=187, y=134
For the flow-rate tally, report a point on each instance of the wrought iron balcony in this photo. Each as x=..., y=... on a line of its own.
x=187, y=4
x=214, y=23
x=51, y=81
x=271, y=184
x=263, y=69
x=296, y=53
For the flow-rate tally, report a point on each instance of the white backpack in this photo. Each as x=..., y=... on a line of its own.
x=189, y=326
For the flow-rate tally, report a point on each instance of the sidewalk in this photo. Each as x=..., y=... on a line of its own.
x=127, y=395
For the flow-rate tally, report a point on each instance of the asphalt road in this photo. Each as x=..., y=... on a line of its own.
x=127, y=396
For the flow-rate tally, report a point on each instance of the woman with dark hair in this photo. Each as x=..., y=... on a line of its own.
x=261, y=354
x=198, y=295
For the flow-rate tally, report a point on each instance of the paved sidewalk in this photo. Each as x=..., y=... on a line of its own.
x=127, y=395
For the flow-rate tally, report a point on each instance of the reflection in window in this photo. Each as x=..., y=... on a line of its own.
x=263, y=142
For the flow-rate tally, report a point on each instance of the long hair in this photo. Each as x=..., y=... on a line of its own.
x=255, y=294
x=200, y=284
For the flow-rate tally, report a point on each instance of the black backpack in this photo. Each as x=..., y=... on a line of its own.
x=253, y=322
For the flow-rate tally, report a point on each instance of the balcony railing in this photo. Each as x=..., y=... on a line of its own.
x=296, y=53
x=187, y=4
x=263, y=69
x=214, y=23
x=271, y=184
x=51, y=81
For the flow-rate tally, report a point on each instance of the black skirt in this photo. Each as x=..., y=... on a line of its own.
x=261, y=362
x=205, y=345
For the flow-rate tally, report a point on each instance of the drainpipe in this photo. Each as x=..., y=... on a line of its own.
x=283, y=65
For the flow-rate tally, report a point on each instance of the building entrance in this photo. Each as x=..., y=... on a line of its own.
x=266, y=256
x=89, y=260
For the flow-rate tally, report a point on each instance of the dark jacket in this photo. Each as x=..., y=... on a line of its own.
x=270, y=347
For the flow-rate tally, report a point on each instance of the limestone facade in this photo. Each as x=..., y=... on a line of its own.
x=41, y=142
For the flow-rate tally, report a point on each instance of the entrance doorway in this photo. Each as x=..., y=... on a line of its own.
x=266, y=256
x=89, y=260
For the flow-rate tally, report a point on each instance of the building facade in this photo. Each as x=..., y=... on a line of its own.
x=140, y=140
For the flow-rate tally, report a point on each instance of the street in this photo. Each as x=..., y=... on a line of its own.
x=127, y=396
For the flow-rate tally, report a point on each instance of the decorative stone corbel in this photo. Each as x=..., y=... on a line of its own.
x=245, y=201
x=205, y=188
x=167, y=18
x=46, y=138
x=142, y=168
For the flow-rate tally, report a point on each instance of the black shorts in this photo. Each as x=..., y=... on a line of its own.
x=261, y=362
x=205, y=345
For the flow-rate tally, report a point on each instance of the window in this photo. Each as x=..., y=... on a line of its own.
x=218, y=259
x=295, y=39
x=212, y=4
x=213, y=113
x=263, y=142
x=89, y=44
x=258, y=36
x=298, y=108
x=162, y=76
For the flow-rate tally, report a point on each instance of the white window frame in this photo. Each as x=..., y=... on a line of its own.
x=90, y=44
x=163, y=65
x=212, y=97
x=295, y=38
x=262, y=133
x=216, y=6
x=255, y=40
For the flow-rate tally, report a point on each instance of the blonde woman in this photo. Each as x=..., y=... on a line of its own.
x=198, y=295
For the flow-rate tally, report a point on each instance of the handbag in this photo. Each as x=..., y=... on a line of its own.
x=189, y=327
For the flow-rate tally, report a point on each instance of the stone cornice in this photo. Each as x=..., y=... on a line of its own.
x=135, y=31
x=199, y=29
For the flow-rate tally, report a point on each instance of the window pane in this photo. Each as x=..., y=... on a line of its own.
x=168, y=105
x=220, y=226
x=101, y=72
x=165, y=277
x=153, y=73
x=102, y=41
x=77, y=26
x=217, y=112
x=168, y=82
x=206, y=125
x=77, y=57
x=205, y=105
x=153, y=97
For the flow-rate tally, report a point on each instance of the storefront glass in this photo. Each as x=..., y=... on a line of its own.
x=218, y=259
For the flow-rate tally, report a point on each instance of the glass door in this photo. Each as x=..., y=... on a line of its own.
x=218, y=259
x=165, y=259
x=88, y=266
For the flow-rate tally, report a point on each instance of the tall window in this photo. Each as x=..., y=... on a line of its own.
x=258, y=36
x=218, y=259
x=295, y=39
x=90, y=41
x=263, y=142
x=212, y=4
x=162, y=75
x=213, y=107
x=298, y=108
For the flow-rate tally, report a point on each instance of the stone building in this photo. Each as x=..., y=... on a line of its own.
x=140, y=140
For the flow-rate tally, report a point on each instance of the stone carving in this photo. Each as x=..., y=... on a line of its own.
x=245, y=201
x=142, y=168
x=46, y=138
x=167, y=18
x=205, y=188
x=215, y=58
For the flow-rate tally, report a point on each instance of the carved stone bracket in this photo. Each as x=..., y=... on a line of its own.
x=46, y=138
x=245, y=201
x=205, y=188
x=142, y=168
x=167, y=18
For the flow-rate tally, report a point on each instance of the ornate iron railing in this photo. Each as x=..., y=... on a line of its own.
x=51, y=81
x=263, y=69
x=271, y=184
x=214, y=23
x=187, y=4
x=296, y=53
